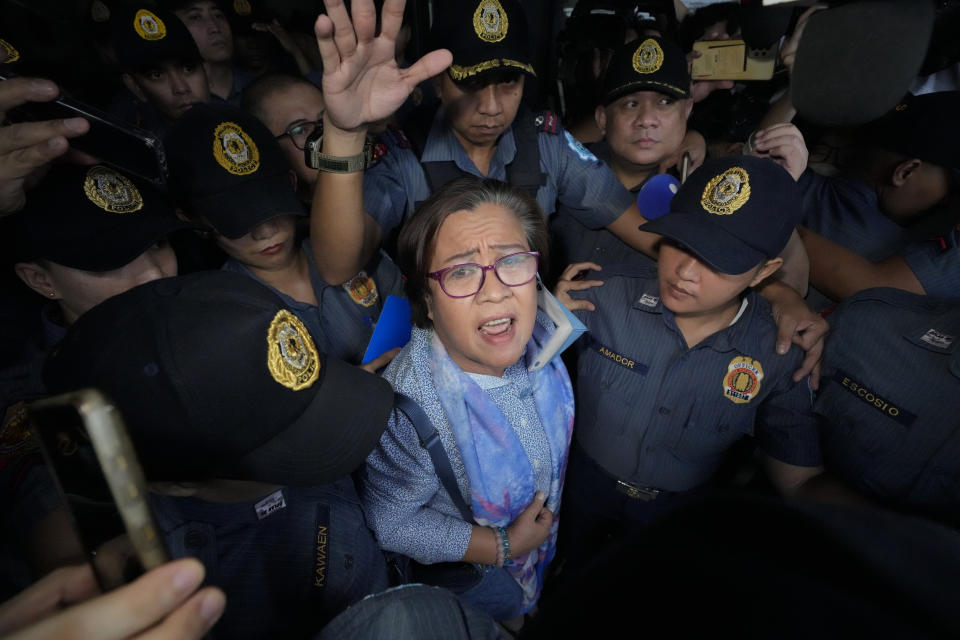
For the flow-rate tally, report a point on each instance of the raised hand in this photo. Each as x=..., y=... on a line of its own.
x=361, y=80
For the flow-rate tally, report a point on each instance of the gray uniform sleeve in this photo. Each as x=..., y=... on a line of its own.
x=936, y=263
x=586, y=187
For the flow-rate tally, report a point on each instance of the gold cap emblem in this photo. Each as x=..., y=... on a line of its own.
x=726, y=192
x=148, y=26
x=111, y=191
x=234, y=150
x=742, y=380
x=242, y=7
x=648, y=57
x=291, y=355
x=490, y=21
x=9, y=52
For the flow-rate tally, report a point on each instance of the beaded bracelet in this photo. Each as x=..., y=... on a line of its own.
x=496, y=532
x=506, y=544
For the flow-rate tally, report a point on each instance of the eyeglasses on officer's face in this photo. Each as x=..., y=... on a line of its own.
x=465, y=280
x=299, y=130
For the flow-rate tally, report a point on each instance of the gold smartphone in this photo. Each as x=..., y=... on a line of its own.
x=732, y=60
x=86, y=446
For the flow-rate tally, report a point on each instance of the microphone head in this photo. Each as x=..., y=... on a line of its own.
x=655, y=196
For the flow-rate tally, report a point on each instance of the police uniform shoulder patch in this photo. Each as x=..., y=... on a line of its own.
x=9, y=52
x=148, y=26
x=578, y=148
x=742, y=381
x=242, y=7
x=727, y=192
x=111, y=191
x=547, y=122
x=490, y=21
x=292, y=357
x=648, y=58
x=234, y=150
x=379, y=151
x=362, y=289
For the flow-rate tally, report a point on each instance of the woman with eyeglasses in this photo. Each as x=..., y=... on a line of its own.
x=470, y=254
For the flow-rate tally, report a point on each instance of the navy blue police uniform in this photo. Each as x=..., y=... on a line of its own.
x=656, y=417
x=890, y=399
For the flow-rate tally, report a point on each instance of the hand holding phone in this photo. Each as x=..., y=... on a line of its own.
x=107, y=138
x=732, y=60
x=25, y=149
x=85, y=444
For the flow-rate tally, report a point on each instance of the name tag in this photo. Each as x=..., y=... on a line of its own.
x=322, y=554
x=270, y=505
x=884, y=405
x=619, y=359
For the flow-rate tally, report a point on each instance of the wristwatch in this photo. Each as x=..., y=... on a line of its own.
x=336, y=164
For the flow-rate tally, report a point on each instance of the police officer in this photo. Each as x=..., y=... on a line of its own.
x=478, y=130
x=890, y=402
x=240, y=185
x=161, y=65
x=643, y=117
x=248, y=434
x=678, y=364
x=861, y=231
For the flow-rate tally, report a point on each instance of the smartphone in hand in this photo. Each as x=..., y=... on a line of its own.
x=732, y=60
x=86, y=446
x=111, y=140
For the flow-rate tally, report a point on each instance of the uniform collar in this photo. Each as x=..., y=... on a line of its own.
x=732, y=338
x=442, y=145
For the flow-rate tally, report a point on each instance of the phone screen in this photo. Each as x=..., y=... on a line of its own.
x=99, y=523
x=110, y=140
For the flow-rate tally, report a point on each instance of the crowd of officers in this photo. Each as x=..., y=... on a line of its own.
x=863, y=238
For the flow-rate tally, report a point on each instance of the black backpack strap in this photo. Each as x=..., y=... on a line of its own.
x=430, y=440
x=524, y=172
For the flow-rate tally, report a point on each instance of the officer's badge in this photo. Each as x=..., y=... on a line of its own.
x=111, y=191
x=490, y=21
x=648, y=57
x=9, y=52
x=726, y=192
x=742, y=380
x=148, y=26
x=241, y=7
x=362, y=289
x=234, y=150
x=291, y=355
x=579, y=149
x=99, y=12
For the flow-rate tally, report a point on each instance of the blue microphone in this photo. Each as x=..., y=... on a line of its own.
x=655, y=196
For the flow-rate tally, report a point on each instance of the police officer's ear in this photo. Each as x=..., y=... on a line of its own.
x=131, y=84
x=904, y=170
x=38, y=278
x=600, y=115
x=766, y=270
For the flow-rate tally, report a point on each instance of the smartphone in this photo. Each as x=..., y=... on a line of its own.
x=86, y=447
x=117, y=143
x=732, y=60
